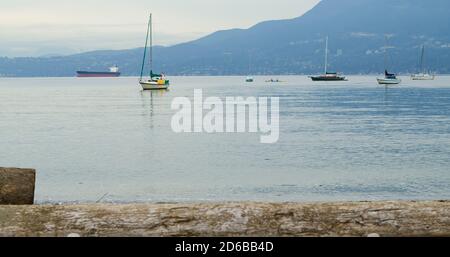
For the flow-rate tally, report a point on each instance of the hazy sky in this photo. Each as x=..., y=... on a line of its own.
x=47, y=27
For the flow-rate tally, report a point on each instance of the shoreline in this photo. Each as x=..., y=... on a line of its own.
x=354, y=219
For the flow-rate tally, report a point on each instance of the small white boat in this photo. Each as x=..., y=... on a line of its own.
x=249, y=79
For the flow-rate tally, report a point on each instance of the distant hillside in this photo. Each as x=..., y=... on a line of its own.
x=356, y=28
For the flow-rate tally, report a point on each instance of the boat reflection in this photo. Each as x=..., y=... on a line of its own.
x=149, y=103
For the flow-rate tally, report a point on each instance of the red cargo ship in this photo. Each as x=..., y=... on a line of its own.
x=113, y=72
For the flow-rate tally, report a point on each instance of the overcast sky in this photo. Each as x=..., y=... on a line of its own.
x=50, y=27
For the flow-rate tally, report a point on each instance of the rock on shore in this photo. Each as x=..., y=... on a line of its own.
x=429, y=218
x=17, y=186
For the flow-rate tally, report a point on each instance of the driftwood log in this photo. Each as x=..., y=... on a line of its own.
x=17, y=186
x=363, y=219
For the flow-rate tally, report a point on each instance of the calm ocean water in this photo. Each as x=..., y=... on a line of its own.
x=94, y=138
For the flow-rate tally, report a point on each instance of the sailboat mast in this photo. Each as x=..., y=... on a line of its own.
x=145, y=48
x=249, y=62
x=386, y=53
x=151, y=45
x=421, y=59
x=326, y=55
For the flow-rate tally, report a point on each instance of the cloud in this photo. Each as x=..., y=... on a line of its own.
x=67, y=26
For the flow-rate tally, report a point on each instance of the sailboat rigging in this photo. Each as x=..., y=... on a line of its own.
x=422, y=75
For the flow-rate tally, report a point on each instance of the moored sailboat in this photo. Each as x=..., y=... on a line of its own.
x=422, y=75
x=389, y=78
x=156, y=81
x=328, y=76
x=249, y=78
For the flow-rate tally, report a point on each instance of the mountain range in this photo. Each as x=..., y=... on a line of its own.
x=359, y=31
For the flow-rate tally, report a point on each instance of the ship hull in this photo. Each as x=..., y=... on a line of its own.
x=155, y=85
x=422, y=77
x=328, y=78
x=387, y=81
x=90, y=74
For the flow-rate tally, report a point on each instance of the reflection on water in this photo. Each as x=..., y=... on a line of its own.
x=107, y=139
x=148, y=98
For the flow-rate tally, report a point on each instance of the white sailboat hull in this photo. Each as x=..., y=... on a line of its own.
x=386, y=81
x=153, y=85
x=422, y=77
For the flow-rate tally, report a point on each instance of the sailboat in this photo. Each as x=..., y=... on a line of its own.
x=156, y=81
x=389, y=78
x=422, y=75
x=328, y=76
x=249, y=78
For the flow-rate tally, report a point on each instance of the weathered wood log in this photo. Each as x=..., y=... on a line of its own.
x=231, y=219
x=17, y=186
